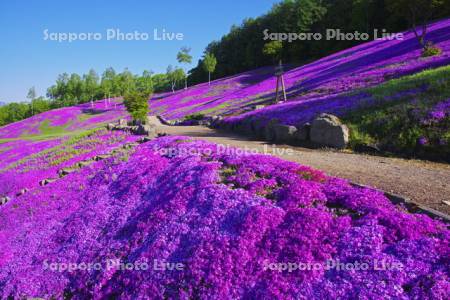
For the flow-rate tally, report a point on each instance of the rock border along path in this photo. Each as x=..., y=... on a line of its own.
x=422, y=184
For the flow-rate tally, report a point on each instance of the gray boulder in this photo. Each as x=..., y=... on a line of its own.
x=123, y=122
x=245, y=127
x=145, y=130
x=303, y=132
x=270, y=131
x=258, y=129
x=328, y=130
x=284, y=133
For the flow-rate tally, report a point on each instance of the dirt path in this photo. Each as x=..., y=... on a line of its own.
x=424, y=182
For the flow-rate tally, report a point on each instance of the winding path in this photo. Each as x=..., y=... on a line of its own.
x=424, y=182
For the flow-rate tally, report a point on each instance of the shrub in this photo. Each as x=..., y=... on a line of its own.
x=137, y=105
x=196, y=117
x=431, y=50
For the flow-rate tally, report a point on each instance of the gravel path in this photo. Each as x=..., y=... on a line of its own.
x=424, y=182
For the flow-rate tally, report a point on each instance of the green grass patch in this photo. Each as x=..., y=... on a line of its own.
x=394, y=120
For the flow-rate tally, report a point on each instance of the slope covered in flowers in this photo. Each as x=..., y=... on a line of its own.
x=65, y=120
x=233, y=222
x=321, y=85
x=359, y=67
x=25, y=163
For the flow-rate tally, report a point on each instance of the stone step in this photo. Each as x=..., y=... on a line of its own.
x=101, y=157
x=65, y=172
x=47, y=181
x=22, y=191
x=84, y=163
x=4, y=200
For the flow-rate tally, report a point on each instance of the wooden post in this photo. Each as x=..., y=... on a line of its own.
x=284, y=88
x=280, y=79
x=278, y=84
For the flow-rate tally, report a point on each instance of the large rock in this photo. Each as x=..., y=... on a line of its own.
x=258, y=129
x=284, y=133
x=147, y=130
x=245, y=127
x=153, y=121
x=122, y=122
x=270, y=131
x=328, y=130
x=215, y=121
x=303, y=132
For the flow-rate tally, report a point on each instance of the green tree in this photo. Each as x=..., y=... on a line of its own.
x=144, y=83
x=90, y=86
x=273, y=49
x=107, y=83
x=136, y=103
x=209, y=64
x=31, y=95
x=14, y=112
x=160, y=82
x=125, y=82
x=40, y=105
x=74, y=90
x=174, y=75
x=183, y=57
x=418, y=13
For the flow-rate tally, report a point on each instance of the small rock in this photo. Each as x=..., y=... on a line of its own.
x=47, y=181
x=4, y=200
x=84, y=163
x=22, y=192
x=122, y=122
x=130, y=145
x=101, y=157
x=446, y=202
x=260, y=106
x=65, y=172
x=367, y=148
x=110, y=126
x=145, y=139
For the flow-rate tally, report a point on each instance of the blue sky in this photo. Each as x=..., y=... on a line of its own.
x=26, y=59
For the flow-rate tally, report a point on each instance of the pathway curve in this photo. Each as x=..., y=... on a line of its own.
x=424, y=182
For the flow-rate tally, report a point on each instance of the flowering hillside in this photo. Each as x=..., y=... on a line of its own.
x=25, y=162
x=321, y=85
x=180, y=219
x=363, y=66
x=65, y=120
